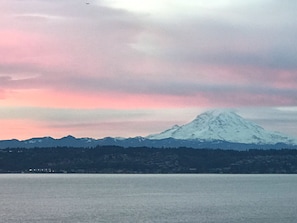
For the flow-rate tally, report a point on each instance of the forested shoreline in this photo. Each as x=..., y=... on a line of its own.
x=113, y=159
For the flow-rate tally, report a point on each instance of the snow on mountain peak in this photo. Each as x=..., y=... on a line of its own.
x=223, y=125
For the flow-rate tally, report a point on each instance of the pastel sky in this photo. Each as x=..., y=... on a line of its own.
x=128, y=68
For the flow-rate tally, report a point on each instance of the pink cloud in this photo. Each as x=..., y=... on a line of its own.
x=21, y=129
x=2, y=94
x=94, y=65
x=285, y=79
x=66, y=55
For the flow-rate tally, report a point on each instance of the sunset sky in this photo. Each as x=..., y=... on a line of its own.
x=128, y=68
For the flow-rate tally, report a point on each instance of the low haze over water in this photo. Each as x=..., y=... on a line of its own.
x=147, y=198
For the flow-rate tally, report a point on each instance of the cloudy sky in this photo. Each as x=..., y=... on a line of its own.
x=128, y=68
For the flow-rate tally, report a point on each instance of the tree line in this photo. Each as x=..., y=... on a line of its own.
x=114, y=159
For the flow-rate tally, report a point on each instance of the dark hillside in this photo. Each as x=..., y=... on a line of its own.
x=112, y=159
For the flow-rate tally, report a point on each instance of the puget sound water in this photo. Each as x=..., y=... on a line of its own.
x=91, y=198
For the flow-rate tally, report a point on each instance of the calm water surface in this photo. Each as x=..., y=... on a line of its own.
x=108, y=198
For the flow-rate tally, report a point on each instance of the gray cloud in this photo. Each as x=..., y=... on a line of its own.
x=279, y=119
x=259, y=35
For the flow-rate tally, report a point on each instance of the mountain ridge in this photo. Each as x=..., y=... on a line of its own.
x=134, y=142
x=217, y=129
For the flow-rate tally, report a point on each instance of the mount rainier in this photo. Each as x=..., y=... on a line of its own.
x=224, y=125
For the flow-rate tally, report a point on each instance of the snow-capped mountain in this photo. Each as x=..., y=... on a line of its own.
x=223, y=125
